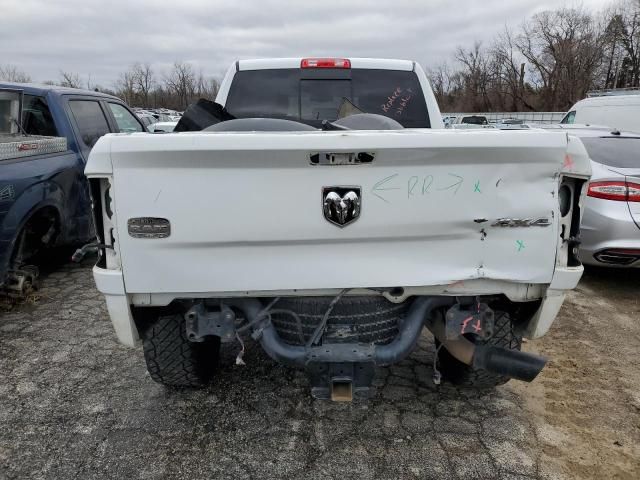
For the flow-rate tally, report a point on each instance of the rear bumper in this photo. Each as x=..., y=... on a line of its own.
x=564, y=279
x=607, y=225
x=111, y=284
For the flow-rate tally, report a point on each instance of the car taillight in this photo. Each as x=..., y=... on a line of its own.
x=620, y=191
x=325, y=63
x=634, y=192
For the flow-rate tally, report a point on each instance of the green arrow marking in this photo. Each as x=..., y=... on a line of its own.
x=378, y=187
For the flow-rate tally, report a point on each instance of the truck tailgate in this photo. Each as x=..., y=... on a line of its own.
x=246, y=209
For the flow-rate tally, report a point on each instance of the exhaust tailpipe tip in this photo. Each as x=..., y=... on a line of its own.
x=510, y=363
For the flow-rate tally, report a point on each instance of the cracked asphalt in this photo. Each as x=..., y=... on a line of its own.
x=75, y=404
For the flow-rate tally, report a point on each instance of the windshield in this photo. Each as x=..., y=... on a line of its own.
x=569, y=118
x=621, y=152
x=310, y=96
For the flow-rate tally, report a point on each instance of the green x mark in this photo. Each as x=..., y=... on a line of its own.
x=520, y=244
x=476, y=187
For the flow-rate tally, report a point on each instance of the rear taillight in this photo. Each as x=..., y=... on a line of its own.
x=634, y=192
x=620, y=191
x=325, y=63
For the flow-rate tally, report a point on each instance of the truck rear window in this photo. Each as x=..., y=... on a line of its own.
x=36, y=117
x=310, y=96
x=620, y=152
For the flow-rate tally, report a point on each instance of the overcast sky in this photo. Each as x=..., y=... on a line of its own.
x=102, y=38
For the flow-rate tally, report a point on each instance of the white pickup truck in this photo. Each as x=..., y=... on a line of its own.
x=334, y=236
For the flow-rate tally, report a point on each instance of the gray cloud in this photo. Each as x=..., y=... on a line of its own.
x=101, y=39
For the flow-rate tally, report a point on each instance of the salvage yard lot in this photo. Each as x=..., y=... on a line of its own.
x=75, y=404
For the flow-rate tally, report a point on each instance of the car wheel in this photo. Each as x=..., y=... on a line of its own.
x=464, y=375
x=175, y=361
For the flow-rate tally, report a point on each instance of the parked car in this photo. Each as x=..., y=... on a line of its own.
x=610, y=230
x=621, y=112
x=511, y=121
x=168, y=126
x=162, y=117
x=335, y=238
x=158, y=121
x=472, y=126
x=471, y=120
x=448, y=120
x=44, y=197
x=147, y=120
x=517, y=125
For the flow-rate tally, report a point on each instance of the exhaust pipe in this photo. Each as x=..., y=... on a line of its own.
x=510, y=363
x=299, y=356
x=501, y=361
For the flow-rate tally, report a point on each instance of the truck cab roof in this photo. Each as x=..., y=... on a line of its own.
x=41, y=89
x=296, y=62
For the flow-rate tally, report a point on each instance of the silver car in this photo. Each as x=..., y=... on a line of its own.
x=610, y=230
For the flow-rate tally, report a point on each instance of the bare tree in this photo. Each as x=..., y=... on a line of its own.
x=10, y=73
x=509, y=67
x=90, y=85
x=69, y=79
x=144, y=80
x=613, y=29
x=563, y=48
x=440, y=80
x=476, y=75
x=550, y=62
x=181, y=81
x=206, y=87
x=624, y=30
x=125, y=87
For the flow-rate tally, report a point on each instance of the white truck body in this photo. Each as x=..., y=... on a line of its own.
x=620, y=112
x=442, y=213
x=259, y=228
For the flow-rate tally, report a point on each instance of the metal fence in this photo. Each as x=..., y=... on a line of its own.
x=534, y=117
x=614, y=91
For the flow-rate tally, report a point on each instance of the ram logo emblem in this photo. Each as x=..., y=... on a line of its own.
x=341, y=204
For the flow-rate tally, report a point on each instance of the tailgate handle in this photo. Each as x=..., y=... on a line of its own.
x=341, y=158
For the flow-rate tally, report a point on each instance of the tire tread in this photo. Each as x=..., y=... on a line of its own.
x=374, y=318
x=172, y=359
x=460, y=374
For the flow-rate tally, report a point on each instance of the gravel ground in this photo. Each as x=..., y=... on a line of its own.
x=75, y=404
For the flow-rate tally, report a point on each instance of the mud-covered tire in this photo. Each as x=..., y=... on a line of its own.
x=366, y=319
x=172, y=359
x=461, y=374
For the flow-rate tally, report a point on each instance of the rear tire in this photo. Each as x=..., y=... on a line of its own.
x=461, y=374
x=173, y=360
x=366, y=319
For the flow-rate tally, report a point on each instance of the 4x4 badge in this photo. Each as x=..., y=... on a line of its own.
x=522, y=222
x=341, y=204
